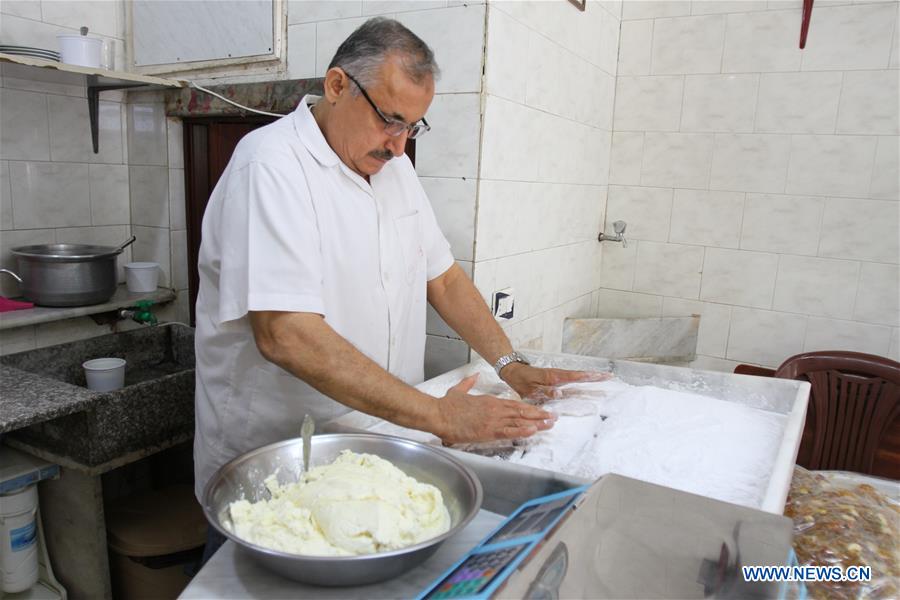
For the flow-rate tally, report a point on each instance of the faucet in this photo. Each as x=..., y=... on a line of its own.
x=140, y=313
x=619, y=228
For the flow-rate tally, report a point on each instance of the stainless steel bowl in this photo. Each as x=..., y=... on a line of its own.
x=243, y=477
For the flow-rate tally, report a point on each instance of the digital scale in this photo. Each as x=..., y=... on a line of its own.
x=623, y=538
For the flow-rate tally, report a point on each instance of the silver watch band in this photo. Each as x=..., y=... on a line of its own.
x=509, y=358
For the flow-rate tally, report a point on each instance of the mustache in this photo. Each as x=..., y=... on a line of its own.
x=382, y=154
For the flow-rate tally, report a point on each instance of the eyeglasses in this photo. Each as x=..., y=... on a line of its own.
x=394, y=127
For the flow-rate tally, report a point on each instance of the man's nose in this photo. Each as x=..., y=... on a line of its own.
x=397, y=144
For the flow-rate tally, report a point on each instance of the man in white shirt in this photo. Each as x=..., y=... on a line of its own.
x=319, y=252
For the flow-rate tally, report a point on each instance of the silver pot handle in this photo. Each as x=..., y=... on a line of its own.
x=19, y=279
x=121, y=248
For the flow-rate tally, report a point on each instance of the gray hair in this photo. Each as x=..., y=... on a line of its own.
x=362, y=54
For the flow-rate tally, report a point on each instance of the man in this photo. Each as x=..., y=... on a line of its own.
x=319, y=252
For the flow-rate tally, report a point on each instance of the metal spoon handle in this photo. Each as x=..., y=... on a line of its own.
x=306, y=431
x=121, y=248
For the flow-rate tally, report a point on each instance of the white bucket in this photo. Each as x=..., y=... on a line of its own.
x=104, y=374
x=79, y=50
x=18, y=540
x=142, y=276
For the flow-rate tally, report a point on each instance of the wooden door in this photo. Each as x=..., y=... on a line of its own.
x=208, y=146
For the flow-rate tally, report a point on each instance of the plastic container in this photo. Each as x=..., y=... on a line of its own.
x=104, y=374
x=18, y=539
x=142, y=276
x=152, y=537
x=80, y=50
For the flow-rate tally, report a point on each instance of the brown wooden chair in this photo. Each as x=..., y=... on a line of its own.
x=854, y=411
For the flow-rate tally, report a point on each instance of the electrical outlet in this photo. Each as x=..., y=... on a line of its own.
x=504, y=304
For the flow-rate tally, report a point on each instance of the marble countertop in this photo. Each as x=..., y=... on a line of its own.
x=28, y=398
x=43, y=314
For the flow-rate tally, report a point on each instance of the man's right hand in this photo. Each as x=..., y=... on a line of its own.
x=469, y=418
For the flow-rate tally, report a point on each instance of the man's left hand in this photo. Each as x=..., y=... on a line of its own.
x=540, y=385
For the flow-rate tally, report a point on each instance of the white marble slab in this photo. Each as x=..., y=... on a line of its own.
x=666, y=339
x=231, y=573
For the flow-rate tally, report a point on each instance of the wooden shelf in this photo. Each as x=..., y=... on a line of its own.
x=24, y=67
x=94, y=80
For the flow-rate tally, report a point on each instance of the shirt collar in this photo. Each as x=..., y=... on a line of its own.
x=310, y=134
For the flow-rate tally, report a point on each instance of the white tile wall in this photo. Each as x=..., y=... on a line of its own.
x=750, y=162
x=886, y=172
x=109, y=194
x=860, y=229
x=453, y=202
x=147, y=139
x=48, y=194
x=850, y=37
x=648, y=212
x=648, y=103
x=628, y=305
x=762, y=42
x=877, y=300
x=626, y=156
x=24, y=125
x=764, y=337
x=451, y=148
x=707, y=218
x=798, y=102
x=507, y=40
x=149, y=196
x=816, y=286
x=634, y=48
x=677, y=159
x=687, y=45
x=5, y=197
x=831, y=334
x=869, y=102
x=617, y=266
x=831, y=165
x=719, y=102
x=781, y=223
x=738, y=277
x=668, y=269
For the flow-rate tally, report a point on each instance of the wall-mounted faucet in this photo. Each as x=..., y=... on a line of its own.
x=619, y=228
x=140, y=313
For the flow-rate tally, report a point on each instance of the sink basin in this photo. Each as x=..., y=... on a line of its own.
x=153, y=411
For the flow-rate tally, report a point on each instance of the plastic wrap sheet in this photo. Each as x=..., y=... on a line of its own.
x=838, y=523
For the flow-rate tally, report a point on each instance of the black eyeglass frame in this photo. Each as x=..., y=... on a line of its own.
x=414, y=130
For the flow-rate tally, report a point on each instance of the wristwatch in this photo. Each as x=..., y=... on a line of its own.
x=509, y=358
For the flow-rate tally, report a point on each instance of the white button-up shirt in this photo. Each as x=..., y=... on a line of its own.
x=289, y=227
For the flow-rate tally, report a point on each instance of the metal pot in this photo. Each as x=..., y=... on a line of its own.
x=67, y=274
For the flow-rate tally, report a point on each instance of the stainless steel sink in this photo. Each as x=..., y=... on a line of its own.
x=153, y=411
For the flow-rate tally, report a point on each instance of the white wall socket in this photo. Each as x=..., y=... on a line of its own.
x=504, y=304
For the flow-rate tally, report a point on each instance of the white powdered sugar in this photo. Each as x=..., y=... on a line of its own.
x=690, y=442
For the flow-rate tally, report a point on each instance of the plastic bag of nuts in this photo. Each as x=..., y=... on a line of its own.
x=840, y=523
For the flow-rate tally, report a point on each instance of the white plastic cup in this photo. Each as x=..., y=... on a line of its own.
x=104, y=374
x=18, y=540
x=142, y=276
x=79, y=50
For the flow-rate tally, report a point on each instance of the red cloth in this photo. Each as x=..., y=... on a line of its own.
x=7, y=305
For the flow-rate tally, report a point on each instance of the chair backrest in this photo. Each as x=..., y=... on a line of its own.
x=854, y=399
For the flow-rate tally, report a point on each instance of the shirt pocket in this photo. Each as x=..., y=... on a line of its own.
x=409, y=238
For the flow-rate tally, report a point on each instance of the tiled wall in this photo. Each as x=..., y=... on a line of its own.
x=446, y=158
x=759, y=181
x=53, y=188
x=549, y=85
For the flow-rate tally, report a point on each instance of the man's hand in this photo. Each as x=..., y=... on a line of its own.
x=468, y=418
x=534, y=383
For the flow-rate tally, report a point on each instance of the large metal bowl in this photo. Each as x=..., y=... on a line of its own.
x=243, y=477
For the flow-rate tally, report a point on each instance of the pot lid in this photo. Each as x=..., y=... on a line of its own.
x=65, y=252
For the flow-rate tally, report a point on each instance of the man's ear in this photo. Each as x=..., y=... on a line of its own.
x=336, y=83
